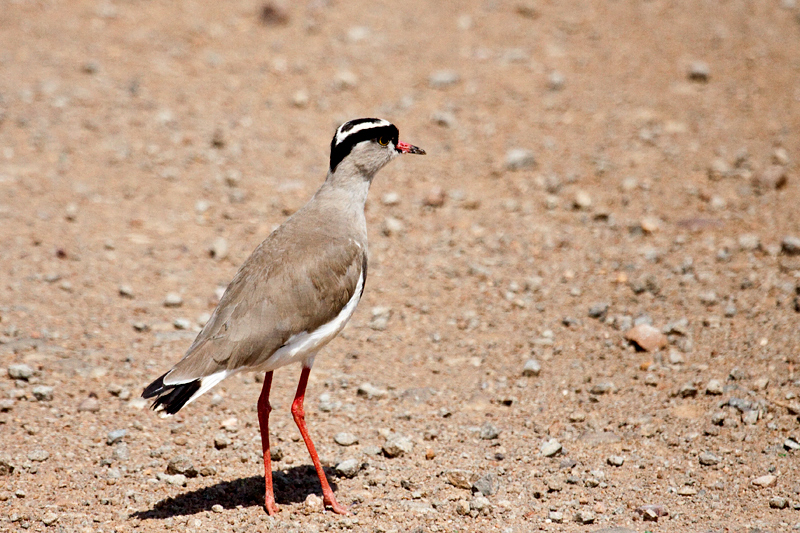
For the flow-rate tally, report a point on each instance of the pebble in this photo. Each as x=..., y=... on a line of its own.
x=121, y=452
x=348, y=468
x=598, y=310
x=178, y=480
x=217, y=508
x=584, y=517
x=219, y=249
x=181, y=464
x=714, y=387
x=749, y=242
x=462, y=507
x=182, y=323
x=371, y=392
x=519, y=158
x=6, y=405
x=345, y=439
x=173, y=299
x=89, y=405
x=778, y=502
x=49, y=518
x=445, y=119
x=555, y=517
x=115, y=436
x=489, y=431
x=42, y=393
x=126, y=291
x=551, y=448
x=687, y=390
x=300, y=98
x=615, y=460
x=460, y=479
x=442, y=79
x=6, y=465
x=699, y=71
x=20, y=371
x=397, y=446
x=222, y=441
x=750, y=417
x=38, y=455
x=708, y=459
x=651, y=512
x=345, y=79
x=556, y=81
x=708, y=298
x=764, y=481
x=790, y=444
x=390, y=198
x=480, y=504
x=532, y=368
x=435, y=197
x=687, y=490
x=487, y=484
x=582, y=200
x=771, y=178
x=790, y=245
x=599, y=389
x=646, y=337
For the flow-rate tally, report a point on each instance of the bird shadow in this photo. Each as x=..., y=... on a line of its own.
x=292, y=485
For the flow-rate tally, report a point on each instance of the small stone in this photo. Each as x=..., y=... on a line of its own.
x=435, y=197
x=345, y=439
x=790, y=444
x=687, y=490
x=219, y=249
x=650, y=224
x=598, y=310
x=555, y=81
x=20, y=371
x=390, y=198
x=687, y=390
x=442, y=79
x=532, y=368
x=780, y=156
x=217, y=508
x=445, y=119
x=750, y=417
x=708, y=459
x=486, y=484
x=771, y=178
x=173, y=299
x=714, y=387
x=584, y=517
x=6, y=405
x=181, y=464
x=749, y=242
x=182, y=324
x=89, y=405
x=371, y=392
x=699, y=71
x=345, y=79
x=300, y=98
x=646, y=337
x=764, y=481
x=730, y=311
x=6, y=465
x=708, y=298
x=115, y=436
x=38, y=455
x=462, y=507
x=480, y=504
x=582, y=200
x=615, y=460
x=276, y=453
x=519, y=158
x=49, y=518
x=397, y=446
x=778, y=502
x=222, y=441
x=489, y=432
x=179, y=480
x=42, y=393
x=460, y=479
x=598, y=389
x=650, y=513
x=551, y=448
x=790, y=245
x=121, y=452
x=348, y=468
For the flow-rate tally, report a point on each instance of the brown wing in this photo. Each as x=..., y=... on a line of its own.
x=285, y=287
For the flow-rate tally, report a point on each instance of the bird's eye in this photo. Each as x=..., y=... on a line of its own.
x=383, y=141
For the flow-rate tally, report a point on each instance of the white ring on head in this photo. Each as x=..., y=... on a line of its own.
x=377, y=123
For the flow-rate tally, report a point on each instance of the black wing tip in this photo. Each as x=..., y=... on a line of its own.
x=170, y=398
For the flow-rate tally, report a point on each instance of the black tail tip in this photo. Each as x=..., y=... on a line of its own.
x=170, y=398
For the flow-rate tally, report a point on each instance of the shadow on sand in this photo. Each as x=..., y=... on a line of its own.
x=291, y=486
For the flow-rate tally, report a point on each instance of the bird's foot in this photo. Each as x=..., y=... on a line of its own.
x=335, y=506
x=271, y=508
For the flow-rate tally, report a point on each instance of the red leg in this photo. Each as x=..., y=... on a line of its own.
x=264, y=409
x=300, y=419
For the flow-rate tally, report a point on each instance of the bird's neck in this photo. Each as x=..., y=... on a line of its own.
x=349, y=186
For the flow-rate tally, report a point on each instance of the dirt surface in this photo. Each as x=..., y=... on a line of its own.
x=654, y=182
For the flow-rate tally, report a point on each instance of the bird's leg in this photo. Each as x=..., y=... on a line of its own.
x=264, y=409
x=299, y=417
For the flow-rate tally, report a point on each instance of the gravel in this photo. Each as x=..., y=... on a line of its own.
x=550, y=448
x=708, y=459
x=181, y=464
x=489, y=432
x=532, y=368
x=42, y=393
x=790, y=245
x=116, y=436
x=519, y=159
x=345, y=439
x=459, y=478
x=397, y=446
x=348, y=468
x=20, y=371
x=764, y=481
x=38, y=455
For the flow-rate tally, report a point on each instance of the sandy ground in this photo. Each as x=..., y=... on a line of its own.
x=591, y=166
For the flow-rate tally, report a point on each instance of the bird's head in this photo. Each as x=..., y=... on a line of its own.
x=365, y=145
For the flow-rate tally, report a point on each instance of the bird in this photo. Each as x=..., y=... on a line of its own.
x=294, y=294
